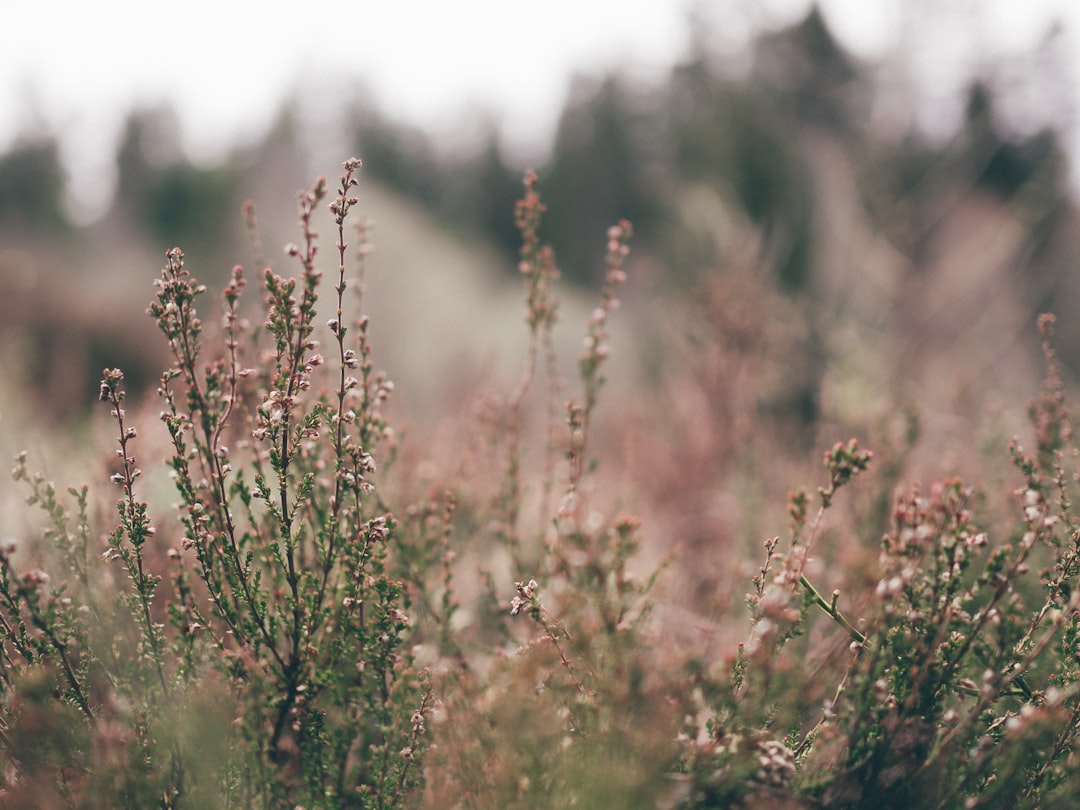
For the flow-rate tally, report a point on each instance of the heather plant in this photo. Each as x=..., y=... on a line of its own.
x=957, y=687
x=263, y=608
x=561, y=702
x=316, y=623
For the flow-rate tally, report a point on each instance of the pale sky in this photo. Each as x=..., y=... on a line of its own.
x=226, y=65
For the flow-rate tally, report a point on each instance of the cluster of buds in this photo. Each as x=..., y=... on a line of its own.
x=617, y=251
x=384, y=387
x=526, y=597
x=355, y=478
x=110, y=390
x=174, y=308
x=377, y=529
x=418, y=730
x=528, y=212
x=351, y=360
x=231, y=293
x=35, y=578
x=776, y=764
x=271, y=413
x=843, y=462
x=418, y=722
x=596, y=349
x=343, y=202
x=537, y=263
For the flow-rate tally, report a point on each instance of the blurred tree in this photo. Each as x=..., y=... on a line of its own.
x=817, y=80
x=149, y=142
x=397, y=155
x=472, y=191
x=741, y=144
x=479, y=195
x=174, y=201
x=193, y=206
x=741, y=141
x=32, y=181
x=910, y=186
x=605, y=165
x=1005, y=165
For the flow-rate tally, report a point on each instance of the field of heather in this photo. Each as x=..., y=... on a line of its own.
x=723, y=460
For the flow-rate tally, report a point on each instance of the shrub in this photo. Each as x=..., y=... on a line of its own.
x=317, y=624
x=253, y=653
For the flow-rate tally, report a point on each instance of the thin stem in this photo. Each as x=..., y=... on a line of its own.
x=831, y=609
x=135, y=524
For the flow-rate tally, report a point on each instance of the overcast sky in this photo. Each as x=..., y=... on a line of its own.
x=225, y=65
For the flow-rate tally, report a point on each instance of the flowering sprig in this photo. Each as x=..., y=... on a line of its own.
x=537, y=266
x=129, y=538
x=778, y=610
x=843, y=461
x=54, y=633
x=1049, y=414
x=537, y=260
x=527, y=599
x=596, y=349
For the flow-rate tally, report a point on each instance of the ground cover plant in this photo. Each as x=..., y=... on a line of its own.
x=303, y=615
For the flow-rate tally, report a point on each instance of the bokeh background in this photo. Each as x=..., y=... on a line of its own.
x=848, y=215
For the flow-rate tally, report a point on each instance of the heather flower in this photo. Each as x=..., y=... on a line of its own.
x=525, y=596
